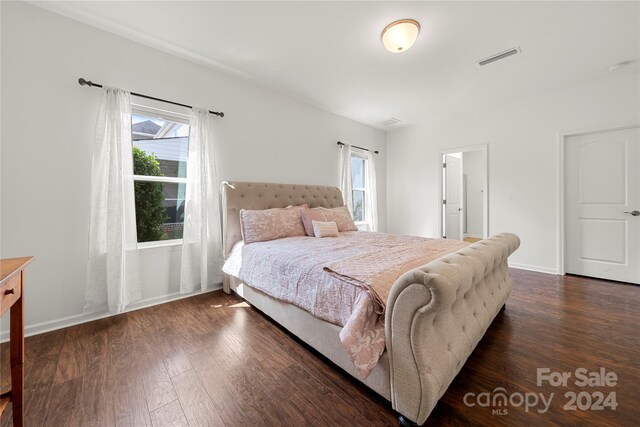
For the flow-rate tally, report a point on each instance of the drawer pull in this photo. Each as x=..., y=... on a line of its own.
x=10, y=291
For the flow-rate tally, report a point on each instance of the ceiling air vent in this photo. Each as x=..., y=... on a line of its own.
x=498, y=56
x=392, y=121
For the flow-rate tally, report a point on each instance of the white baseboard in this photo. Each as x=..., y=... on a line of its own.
x=534, y=268
x=65, y=322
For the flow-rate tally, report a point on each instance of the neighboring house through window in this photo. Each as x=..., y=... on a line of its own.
x=160, y=149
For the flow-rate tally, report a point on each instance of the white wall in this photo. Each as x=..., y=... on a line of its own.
x=523, y=155
x=47, y=128
x=473, y=170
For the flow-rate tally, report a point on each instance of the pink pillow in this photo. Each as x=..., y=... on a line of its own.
x=342, y=218
x=325, y=229
x=270, y=224
x=309, y=215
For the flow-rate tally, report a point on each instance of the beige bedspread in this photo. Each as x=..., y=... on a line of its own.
x=344, y=280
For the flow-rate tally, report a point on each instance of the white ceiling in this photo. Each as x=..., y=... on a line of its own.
x=330, y=54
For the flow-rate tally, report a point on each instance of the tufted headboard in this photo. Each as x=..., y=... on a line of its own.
x=262, y=195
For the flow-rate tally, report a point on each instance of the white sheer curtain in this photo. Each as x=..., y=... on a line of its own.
x=345, y=176
x=112, y=275
x=202, y=238
x=371, y=194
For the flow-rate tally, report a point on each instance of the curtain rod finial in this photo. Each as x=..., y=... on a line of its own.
x=84, y=82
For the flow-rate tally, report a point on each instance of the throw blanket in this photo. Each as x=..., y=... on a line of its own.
x=344, y=280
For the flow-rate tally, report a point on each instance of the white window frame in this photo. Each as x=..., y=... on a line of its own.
x=363, y=189
x=147, y=111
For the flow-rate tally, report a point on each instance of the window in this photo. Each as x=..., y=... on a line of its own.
x=358, y=186
x=160, y=149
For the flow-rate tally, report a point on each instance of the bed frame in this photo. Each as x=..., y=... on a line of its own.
x=435, y=315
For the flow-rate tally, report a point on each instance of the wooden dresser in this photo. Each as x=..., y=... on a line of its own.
x=11, y=291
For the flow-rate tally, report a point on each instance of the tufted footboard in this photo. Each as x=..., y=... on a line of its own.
x=436, y=314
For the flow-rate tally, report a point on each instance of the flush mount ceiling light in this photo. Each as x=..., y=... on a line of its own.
x=400, y=35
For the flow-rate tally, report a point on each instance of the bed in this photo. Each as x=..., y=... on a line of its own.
x=434, y=315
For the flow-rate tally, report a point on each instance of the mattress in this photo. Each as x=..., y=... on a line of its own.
x=343, y=280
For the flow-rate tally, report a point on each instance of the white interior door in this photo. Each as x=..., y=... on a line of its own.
x=453, y=197
x=602, y=205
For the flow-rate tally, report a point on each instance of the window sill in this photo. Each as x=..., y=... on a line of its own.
x=160, y=244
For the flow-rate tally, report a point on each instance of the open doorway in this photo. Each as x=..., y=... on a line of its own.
x=464, y=194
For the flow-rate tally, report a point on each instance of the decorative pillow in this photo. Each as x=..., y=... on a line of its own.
x=270, y=224
x=342, y=218
x=325, y=229
x=309, y=215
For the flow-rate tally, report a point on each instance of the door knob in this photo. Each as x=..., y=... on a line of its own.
x=634, y=213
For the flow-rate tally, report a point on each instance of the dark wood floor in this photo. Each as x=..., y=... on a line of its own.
x=211, y=360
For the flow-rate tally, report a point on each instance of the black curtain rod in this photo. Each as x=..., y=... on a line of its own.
x=89, y=83
x=359, y=148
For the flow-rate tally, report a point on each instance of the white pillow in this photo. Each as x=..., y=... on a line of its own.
x=325, y=229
